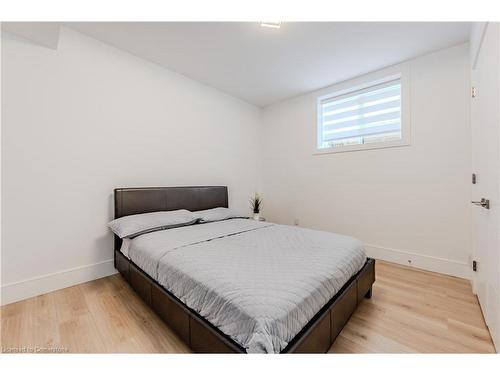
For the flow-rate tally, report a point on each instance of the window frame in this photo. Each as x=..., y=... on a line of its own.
x=363, y=83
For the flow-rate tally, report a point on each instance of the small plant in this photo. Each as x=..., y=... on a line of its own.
x=256, y=203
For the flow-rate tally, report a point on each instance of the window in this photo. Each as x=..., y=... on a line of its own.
x=368, y=116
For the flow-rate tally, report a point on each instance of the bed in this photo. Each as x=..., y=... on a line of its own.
x=242, y=286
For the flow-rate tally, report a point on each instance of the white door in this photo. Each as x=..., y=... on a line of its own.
x=486, y=165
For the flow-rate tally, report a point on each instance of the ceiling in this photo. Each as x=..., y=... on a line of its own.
x=264, y=66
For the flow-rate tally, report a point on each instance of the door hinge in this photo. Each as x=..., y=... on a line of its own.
x=474, y=178
x=473, y=92
x=474, y=265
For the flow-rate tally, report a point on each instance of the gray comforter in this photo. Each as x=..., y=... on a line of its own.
x=259, y=283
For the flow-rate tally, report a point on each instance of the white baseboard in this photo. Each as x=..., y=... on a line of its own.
x=20, y=290
x=425, y=262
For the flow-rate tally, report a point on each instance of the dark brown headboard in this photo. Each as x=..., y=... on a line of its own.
x=131, y=201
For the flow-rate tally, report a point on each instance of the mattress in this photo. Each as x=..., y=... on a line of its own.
x=259, y=283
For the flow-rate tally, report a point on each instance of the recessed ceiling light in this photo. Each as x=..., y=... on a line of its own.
x=272, y=25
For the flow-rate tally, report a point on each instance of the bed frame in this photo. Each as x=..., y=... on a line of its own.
x=198, y=333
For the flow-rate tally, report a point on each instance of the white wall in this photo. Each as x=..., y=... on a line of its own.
x=406, y=203
x=85, y=118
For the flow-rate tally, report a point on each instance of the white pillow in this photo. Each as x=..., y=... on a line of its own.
x=218, y=214
x=135, y=225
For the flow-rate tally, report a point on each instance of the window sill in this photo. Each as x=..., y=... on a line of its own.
x=373, y=146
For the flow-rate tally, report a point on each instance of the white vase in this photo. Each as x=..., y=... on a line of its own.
x=256, y=216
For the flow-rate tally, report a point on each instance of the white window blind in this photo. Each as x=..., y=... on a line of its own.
x=368, y=115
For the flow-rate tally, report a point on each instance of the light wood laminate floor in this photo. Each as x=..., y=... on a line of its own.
x=410, y=311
